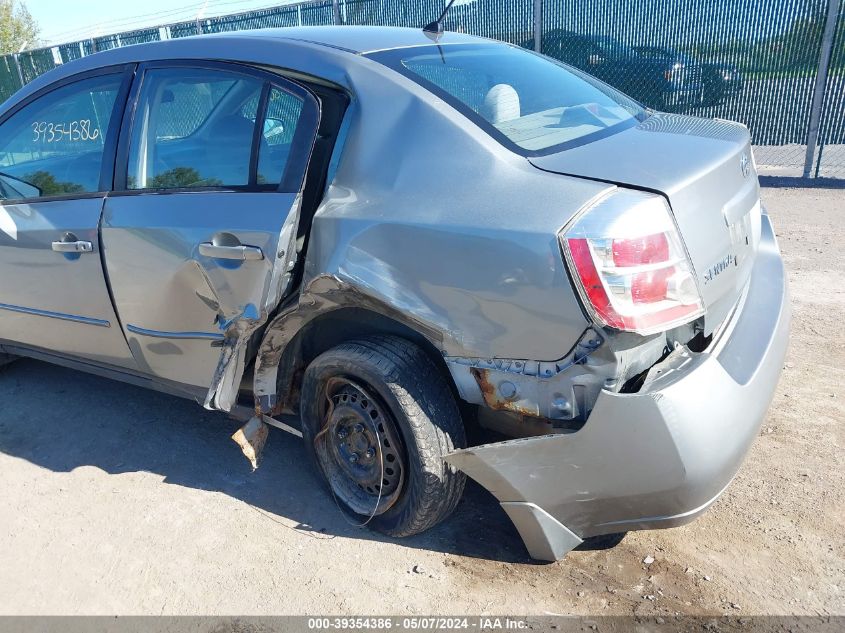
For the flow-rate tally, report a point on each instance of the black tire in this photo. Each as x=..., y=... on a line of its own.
x=413, y=395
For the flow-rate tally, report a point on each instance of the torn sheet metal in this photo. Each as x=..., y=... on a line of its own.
x=252, y=437
x=240, y=322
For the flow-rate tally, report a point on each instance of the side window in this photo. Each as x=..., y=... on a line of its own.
x=192, y=128
x=54, y=145
x=281, y=122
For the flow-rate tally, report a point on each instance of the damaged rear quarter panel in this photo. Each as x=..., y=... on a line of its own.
x=430, y=218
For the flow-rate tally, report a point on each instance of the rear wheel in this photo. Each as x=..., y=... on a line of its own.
x=378, y=418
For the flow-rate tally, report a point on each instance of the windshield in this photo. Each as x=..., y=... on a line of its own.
x=532, y=104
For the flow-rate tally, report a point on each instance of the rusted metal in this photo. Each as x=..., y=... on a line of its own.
x=493, y=397
x=551, y=390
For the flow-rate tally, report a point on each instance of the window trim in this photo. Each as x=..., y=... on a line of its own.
x=292, y=179
x=258, y=132
x=109, y=143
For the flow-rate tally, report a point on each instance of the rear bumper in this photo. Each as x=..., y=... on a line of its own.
x=652, y=459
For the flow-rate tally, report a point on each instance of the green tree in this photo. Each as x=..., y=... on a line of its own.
x=179, y=177
x=49, y=186
x=17, y=27
x=800, y=45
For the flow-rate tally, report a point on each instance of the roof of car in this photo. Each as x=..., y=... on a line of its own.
x=255, y=46
x=357, y=39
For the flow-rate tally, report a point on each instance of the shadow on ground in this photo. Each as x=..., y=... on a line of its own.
x=60, y=420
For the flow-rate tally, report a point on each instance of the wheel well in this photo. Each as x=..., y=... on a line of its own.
x=333, y=328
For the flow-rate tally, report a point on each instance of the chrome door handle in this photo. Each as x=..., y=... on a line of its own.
x=73, y=247
x=243, y=253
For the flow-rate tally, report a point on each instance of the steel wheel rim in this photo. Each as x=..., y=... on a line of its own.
x=359, y=447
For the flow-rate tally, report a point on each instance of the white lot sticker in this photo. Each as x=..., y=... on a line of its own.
x=48, y=132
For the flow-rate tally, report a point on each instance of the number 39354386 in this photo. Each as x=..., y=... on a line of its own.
x=49, y=132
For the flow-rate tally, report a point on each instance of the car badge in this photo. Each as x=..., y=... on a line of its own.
x=744, y=165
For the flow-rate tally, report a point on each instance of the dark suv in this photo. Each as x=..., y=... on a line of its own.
x=719, y=80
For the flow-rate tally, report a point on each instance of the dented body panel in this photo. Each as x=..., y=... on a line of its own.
x=396, y=250
x=657, y=458
x=180, y=309
x=424, y=225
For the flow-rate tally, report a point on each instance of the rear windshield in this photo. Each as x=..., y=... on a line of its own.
x=531, y=103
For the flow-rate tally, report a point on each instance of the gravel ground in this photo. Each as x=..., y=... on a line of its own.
x=119, y=500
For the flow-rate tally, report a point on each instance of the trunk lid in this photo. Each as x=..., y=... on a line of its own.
x=705, y=170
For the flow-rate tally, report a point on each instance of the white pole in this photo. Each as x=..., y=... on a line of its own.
x=200, y=14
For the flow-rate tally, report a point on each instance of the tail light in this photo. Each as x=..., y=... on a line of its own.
x=630, y=265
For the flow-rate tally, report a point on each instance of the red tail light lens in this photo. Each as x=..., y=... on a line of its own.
x=641, y=250
x=592, y=284
x=651, y=286
x=630, y=265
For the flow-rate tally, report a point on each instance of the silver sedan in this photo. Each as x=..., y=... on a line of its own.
x=393, y=236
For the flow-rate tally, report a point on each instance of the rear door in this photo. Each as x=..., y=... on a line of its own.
x=56, y=162
x=200, y=233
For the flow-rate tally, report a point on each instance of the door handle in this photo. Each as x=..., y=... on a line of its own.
x=73, y=247
x=242, y=253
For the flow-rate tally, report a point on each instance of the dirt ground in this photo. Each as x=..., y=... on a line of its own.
x=115, y=500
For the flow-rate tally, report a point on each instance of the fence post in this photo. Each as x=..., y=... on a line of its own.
x=336, y=11
x=200, y=16
x=821, y=83
x=18, y=66
x=538, y=26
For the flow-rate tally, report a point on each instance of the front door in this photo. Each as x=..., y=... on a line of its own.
x=200, y=234
x=53, y=176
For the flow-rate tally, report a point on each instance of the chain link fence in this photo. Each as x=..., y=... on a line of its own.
x=830, y=160
x=776, y=65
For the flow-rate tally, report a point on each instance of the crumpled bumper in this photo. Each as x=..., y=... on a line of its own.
x=657, y=458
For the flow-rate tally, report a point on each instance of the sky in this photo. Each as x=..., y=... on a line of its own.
x=70, y=20
x=64, y=21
